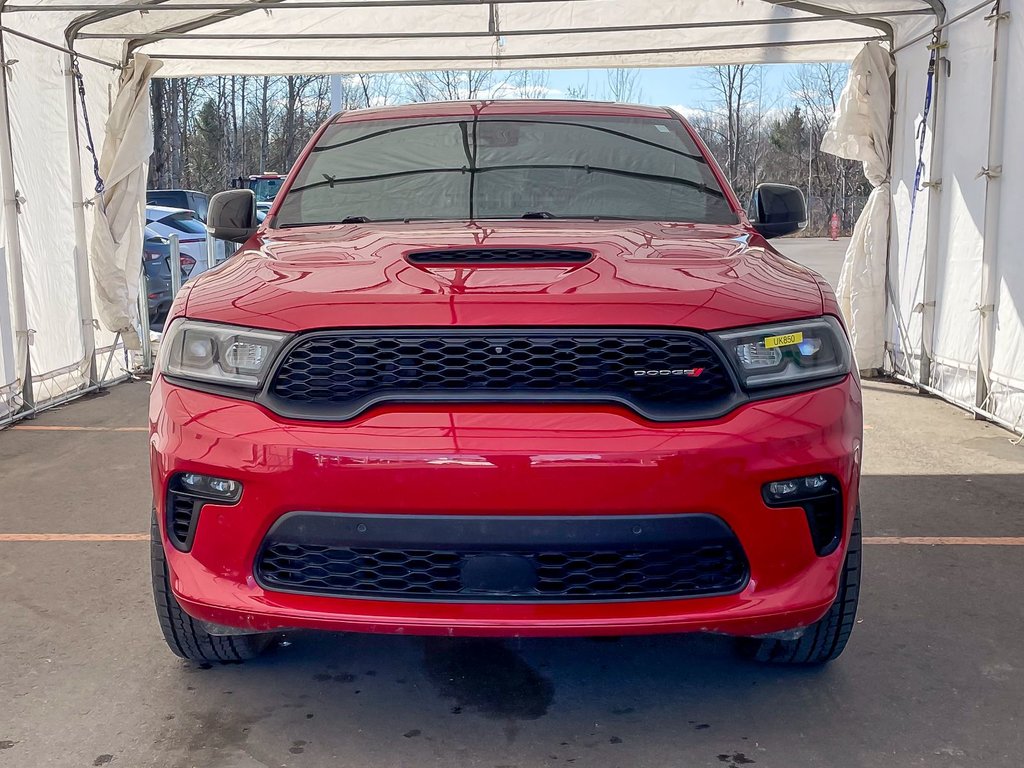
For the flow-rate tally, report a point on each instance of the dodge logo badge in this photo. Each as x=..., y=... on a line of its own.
x=692, y=373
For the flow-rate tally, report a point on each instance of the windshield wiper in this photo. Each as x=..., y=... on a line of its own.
x=346, y=220
x=574, y=216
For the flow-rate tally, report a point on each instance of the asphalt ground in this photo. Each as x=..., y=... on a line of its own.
x=933, y=675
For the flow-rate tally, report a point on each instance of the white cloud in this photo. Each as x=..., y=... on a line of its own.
x=686, y=111
x=510, y=91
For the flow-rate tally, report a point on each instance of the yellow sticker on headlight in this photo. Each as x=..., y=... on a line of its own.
x=785, y=340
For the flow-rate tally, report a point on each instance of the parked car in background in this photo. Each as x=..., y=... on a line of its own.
x=187, y=226
x=264, y=186
x=189, y=199
x=156, y=265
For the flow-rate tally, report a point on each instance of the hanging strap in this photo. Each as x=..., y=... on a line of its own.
x=922, y=131
x=89, y=143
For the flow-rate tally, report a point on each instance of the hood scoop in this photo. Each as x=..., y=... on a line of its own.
x=503, y=256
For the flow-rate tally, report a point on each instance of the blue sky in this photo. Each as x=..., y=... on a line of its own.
x=674, y=87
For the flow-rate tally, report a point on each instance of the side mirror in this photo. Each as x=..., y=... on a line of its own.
x=232, y=215
x=777, y=210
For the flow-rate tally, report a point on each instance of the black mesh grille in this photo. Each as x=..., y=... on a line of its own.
x=180, y=513
x=693, y=570
x=664, y=375
x=500, y=256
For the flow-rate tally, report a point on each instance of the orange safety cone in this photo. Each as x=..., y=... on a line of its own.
x=833, y=227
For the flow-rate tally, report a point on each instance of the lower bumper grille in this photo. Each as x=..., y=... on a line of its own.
x=502, y=559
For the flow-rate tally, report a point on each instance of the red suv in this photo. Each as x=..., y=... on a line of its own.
x=507, y=369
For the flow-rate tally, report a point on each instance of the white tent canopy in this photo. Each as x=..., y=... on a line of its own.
x=949, y=287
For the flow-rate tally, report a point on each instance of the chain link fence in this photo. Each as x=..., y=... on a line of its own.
x=820, y=210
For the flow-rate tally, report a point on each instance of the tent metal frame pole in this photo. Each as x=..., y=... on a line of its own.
x=55, y=47
x=992, y=172
x=75, y=30
x=82, y=274
x=930, y=256
x=15, y=262
x=980, y=413
x=248, y=5
x=245, y=5
x=497, y=60
x=941, y=25
x=138, y=39
x=834, y=15
x=183, y=30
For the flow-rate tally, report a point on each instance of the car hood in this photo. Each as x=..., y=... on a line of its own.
x=674, y=275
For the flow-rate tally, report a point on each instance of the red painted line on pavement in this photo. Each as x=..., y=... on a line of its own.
x=39, y=428
x=980, y=541
x=74, y=537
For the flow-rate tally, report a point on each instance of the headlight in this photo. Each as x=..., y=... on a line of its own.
x=222, y=354
x=787, y=353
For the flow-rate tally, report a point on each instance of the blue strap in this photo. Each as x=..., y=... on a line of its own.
x=922, y=130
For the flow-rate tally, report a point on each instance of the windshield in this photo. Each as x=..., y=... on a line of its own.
x=266, y=189
x=575, y=166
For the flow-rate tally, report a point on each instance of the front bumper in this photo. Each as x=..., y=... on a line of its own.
x=500, y=460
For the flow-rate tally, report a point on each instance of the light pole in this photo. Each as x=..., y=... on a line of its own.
x=336, y=92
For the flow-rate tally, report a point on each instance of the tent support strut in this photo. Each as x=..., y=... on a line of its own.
x=988, y=301
x=82, y=275
x=15, y=262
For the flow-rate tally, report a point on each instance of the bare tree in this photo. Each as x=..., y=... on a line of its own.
x=264, y=125
x=733, y=122
x=371, y=90
x=159, y=166
x=832, y=183
x=453, y=84
x=530, y=83
x=623, y=85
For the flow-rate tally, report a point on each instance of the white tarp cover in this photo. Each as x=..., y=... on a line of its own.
x=117, y=233
x=934, y=270
x=860, y=131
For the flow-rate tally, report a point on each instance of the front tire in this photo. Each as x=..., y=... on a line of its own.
x=183, y=634
x=824, y=640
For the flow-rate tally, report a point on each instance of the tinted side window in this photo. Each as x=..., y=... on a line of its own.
x=185, y=221
x=167, y=199
x=200, y=205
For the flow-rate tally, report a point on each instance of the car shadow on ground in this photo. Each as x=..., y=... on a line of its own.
x=322, y=694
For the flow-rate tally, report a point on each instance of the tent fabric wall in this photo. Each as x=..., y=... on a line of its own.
x=119, y=210
x=933, y=279
x=9, y=383
x=43, y=114
x=907, y=279
x=652, y=36
x=961, y=212
x=1006, y=399
x=45, y=225
x=860, y=131
x=936, y=270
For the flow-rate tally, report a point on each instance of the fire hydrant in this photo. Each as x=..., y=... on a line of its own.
x=833, y=227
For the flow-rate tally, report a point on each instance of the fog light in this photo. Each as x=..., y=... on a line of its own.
x=798, y=489
x=783, y=490
x=821, y=498
x=187, y=493
x=213, y=487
